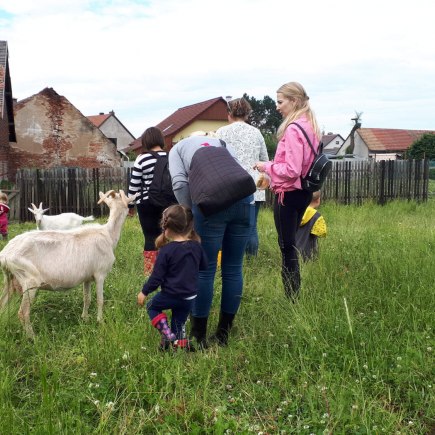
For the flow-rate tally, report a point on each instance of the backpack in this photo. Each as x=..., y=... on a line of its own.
x=216, y=179
x=319, y=169
x=160, y=193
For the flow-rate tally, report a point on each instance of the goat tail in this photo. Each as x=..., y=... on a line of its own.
x=88, y=218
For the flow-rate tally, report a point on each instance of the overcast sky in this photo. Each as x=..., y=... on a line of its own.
x=146, y=59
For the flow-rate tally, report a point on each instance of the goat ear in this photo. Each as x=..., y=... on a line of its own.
x=45, y=209
x=32, y=211
x=102, y=198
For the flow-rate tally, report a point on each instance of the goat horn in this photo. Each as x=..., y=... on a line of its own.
x=125, y=199
x=40, y=205
x=33, y=205
x=104, y=196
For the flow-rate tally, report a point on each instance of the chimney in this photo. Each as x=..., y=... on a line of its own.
x=101, y=113
x=228, y=98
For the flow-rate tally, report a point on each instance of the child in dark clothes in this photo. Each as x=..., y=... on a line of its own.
x=176, y=272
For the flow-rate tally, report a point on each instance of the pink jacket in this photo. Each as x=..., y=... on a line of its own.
x=293, y=157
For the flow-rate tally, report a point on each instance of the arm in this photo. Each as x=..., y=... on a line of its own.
x=157, y=276
x=135, y=181
x=289, y=164
x=180, y=179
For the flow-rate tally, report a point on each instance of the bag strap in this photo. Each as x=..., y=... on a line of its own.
x=307, y=138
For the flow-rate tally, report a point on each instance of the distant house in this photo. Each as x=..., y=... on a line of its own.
x=206, y=116
x=382, y=143
x=7, y=123
x=113, y=129
x=51, y=133
x=332, y=143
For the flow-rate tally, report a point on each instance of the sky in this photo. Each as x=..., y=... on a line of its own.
x=146, y=59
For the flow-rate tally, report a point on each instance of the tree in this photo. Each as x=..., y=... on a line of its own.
x=423, y=148
x=266, y=118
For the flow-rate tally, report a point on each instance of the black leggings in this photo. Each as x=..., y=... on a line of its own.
x=149, y=218
x=288, y=217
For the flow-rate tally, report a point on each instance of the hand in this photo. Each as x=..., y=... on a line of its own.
x=259, y=166
x=141, y=298
x=131, y=212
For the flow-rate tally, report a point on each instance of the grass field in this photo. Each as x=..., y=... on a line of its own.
x=354, y=355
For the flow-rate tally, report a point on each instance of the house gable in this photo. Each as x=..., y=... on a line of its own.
x=207, y=115
x=51, y=132
x=113, y=129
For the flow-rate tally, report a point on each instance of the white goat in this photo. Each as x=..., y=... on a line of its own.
x=56, y=260
x=63, y=221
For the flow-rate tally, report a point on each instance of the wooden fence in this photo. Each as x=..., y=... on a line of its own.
x=367, y=180
x=76, y=189
x=68, y=189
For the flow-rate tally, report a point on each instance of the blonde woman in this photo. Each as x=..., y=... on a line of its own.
x=292, y=160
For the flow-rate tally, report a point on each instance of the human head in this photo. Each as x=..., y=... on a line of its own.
x=3, y=197
x=178, y=219
x=152, y=137
x=292, y=103
x=239, y=108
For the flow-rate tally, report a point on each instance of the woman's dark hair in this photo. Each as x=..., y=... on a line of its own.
x=152, y=137
x=178, y=219
x=239, y=108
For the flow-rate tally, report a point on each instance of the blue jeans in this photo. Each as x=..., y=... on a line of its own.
x=252, y=246
x=227, y=230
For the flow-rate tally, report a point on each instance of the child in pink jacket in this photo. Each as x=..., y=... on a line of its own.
x=4, y=210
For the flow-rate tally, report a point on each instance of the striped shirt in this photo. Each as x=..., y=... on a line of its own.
x=142, y=175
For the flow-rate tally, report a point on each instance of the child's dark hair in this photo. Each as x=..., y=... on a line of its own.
x=178, y=219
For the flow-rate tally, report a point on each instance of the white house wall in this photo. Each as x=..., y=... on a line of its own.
x=113, y=129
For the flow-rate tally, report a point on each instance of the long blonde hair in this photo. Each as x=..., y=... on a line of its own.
x=294, y=91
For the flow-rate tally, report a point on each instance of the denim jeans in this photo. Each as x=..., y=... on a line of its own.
x=252, y=246
x=227, y=230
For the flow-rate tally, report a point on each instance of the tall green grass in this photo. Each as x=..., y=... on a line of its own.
x=353, y=355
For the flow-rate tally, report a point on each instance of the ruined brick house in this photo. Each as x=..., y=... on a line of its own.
x=7, y=126
x=51, y=133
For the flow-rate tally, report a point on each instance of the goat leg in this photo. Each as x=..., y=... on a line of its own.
x=99, y=282
x=86, y=299
x=24, y=311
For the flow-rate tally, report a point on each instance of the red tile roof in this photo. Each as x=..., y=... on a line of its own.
x=389, y=139
x=97, y=120
x=184, y=116
x=181, y=118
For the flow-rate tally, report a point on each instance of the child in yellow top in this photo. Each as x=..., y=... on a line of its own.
x=311, y=228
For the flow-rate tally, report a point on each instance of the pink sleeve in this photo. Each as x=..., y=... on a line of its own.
x=288, y=161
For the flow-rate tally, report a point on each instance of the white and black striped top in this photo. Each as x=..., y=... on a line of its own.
x=142, y=175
